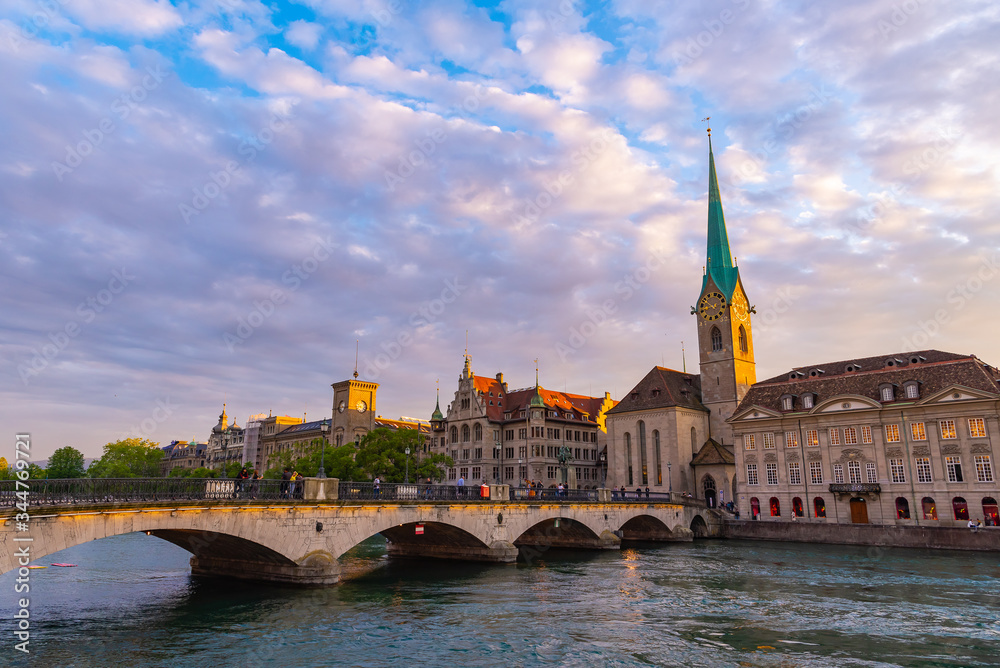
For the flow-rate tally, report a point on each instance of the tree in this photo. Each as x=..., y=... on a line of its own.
x=128, y=458
x=66, y=462
x=382, y=453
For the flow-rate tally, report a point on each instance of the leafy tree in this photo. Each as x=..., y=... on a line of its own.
x=232, y=469
x=202, y=472
x=35, y=472
x=66, y=462
x=128, y=458
x=382, y=453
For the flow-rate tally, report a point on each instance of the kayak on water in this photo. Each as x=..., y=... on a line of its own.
x=63, y=565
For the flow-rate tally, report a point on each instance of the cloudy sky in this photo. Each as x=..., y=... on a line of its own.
x=212, y=202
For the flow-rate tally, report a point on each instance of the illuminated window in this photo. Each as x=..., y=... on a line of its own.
x=772, y=474
x=752, y=474
x=791, y=439
x=768, y=441
x=923, y=469
x=902, y=508
x=749, y=442
x=794, y=473
x=834, y=437
x=819, y=507
x=948, y=429
x=854, y=471
x=917, y=432
x=812, y=437
x=850, y=436
x=961, y=508
x=930, y=510
x=896, y=470
x=977, y=428
x=838, y=474
x=953, y=467
x=984, y=469
x=892, y=433
x=871, y=475
x=816, y=473
x=866, y=434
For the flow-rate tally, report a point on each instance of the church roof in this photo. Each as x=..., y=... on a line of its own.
x=934, y=370
x=497, y=401
x=662, y=388
x=713, y=452
x=719, y=259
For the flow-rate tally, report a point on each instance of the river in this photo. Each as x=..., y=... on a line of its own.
x=131, y=601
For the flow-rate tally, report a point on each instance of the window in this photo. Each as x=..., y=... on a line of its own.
x=977, y=428
x=807, y=401
x=794, y=473
x=786, y=403
x=912, y=392
x=465, y=433
x=816, y=473
x=479, y=453
x=797, y=507
x=834, y=436
x=755, y=507
x=850, y=436
x=642, y=452
x=464, y=472
x=743, y=340
x=854, y=472
x=892, y=433
x=769, y=441
x=628, y=456
x=772, y=474
x=775, y=507
x=451, y=474
x=454, y=434
x=917, y=432
x=508, y=434
x=752, y=474
x=871, y=475
x=749, y=442
x=508, y=472
x=819, y=507
x=477, y=432
x=522, y=432
x=477, y=473
x=866, y=434
x=924, y=469
x=656, y=454
x=522, y=452
x=984, y=470
x=812, y=437
x=791, y=439
x=902, y=508
x=948, y=429
x=991, y=512
x=929, y=509
x=551, y=472
x=716, y=340
x=465, y=453
x=953, y=468
x=896, y=470
x=961, y=508
x=838, y=474
x=555, y=434
x=886, y=392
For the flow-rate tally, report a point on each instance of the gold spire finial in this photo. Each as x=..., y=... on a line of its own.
x=705, y=120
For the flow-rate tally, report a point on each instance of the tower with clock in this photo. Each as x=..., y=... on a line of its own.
x=353, y=409
x=725, y=339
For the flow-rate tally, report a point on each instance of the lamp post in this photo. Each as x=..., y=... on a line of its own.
x=407, y=451
x=670, y=481
x=499, y=446
x=323, y=427
x=604, y=468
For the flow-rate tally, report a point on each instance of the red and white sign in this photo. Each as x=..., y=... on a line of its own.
x=419, y=530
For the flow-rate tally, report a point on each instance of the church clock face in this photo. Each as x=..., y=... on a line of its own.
x=740, y=307
x=362, y=407
x=712, y=306
x=342, y=406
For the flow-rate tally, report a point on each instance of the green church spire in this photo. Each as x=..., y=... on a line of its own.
x=719, y=260
x=437, y=415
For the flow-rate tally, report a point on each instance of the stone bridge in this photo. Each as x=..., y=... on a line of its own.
x=301, y=541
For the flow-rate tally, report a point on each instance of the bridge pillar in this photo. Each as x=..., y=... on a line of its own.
x=497, y=552
x=316, y=568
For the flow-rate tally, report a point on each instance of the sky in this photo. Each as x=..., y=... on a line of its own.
x=223, y=202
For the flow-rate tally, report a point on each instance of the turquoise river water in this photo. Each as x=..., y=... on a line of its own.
x=131, y=601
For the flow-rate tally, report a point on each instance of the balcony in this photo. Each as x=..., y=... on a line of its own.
x=859, y=488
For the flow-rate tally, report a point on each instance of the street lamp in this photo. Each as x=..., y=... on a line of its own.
x=499, y=446
x=407, y=451
x=604, y=468
x=323, y=427
x=670, y=480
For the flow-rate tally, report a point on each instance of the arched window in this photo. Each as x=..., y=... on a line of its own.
x=754, y=507
x=642, y=453
x=716, y=340
x=961, y=508
x=454, y=434
x=775, y=507
x=628, y=456
x=694, y=440
x=902, y=508
x=656, y=454
x=708, y=485
x=744, y=346
x=477, y=432
x=991, y=515
x=797, y=510
x=819, y=507
x=465, y=433
x=930, y=510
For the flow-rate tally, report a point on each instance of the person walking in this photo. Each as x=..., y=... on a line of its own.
x=376, y=488
x=255, y=484
x=293, y=484
x=286, y=477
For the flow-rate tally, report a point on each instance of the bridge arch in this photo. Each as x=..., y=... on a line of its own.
x=646, y=528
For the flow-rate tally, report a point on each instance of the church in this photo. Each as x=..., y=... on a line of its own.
x=671, y=433
x=906, y=438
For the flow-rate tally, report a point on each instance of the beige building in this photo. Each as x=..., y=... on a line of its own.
x=670, y=432
x=908, y=438
x=495, y=434
x=183, y=455
x=225, y=443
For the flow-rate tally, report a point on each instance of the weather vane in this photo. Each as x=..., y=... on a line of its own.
x=705, y=120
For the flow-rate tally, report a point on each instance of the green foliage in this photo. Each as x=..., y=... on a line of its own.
x=232, y=469
x=66, y=462
x=128, y=458
x=382, y=453
x=202, y=472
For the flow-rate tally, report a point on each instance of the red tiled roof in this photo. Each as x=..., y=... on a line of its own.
x=513, y=402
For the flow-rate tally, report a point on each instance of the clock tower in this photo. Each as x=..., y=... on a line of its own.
x=725, y=341
x=353, y=410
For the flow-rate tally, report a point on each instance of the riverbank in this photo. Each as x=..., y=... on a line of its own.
x=987, y=539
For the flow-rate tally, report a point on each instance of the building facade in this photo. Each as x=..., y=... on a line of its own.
x=495, y=434
x=225, y=443
x=183, y=455
x=670, y=432
x=907, y=438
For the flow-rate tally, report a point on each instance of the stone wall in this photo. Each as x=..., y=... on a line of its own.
x=987, y=539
